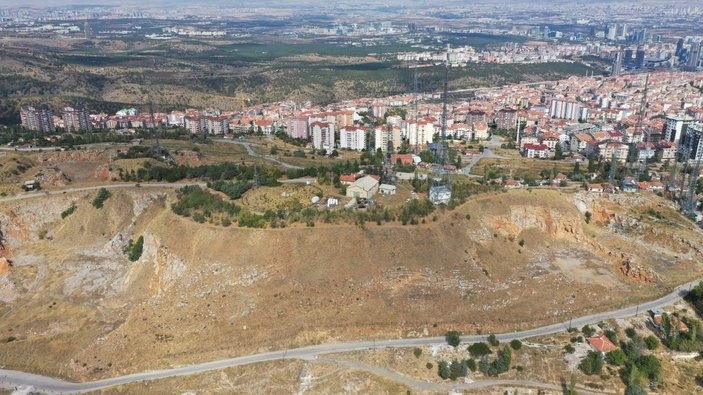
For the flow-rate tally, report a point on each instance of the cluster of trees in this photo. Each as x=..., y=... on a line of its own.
x=68, y=211
x=220, y=171
x=101, y=197
x=455, y=369
x=415, y=210
x=202, y=205
x=689, y=341
x=233, y=190
x=499, y=365
x=134, y=250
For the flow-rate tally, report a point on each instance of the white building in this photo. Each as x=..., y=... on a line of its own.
x=352, y=137
x=322, y=135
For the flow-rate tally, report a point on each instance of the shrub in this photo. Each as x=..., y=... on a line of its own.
x=453, y=338
x=417, y=352
x=471, y=364
x=134, y=250
x=651, y=342
x=611, y=335
x=588, y=217
x=616, y=357
x=630, y=332
x=516, y=344
x=569, y=349
x=588, y=331
x=68, y=211
x=493, y=340
x=429, y=365
x=521, y=242
x=477, y=350
x=102, y=196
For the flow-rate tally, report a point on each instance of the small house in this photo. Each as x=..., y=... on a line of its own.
x=387, y=189
x=601, y=344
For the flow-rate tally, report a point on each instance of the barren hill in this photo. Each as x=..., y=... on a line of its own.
x=73, y=305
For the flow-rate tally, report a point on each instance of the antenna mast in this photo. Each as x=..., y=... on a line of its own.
x=442, y=148
x=154, y=131
x=643, y=106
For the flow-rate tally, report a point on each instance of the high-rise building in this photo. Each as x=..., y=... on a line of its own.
x=611, y=32
x=37, y=118
x=322, y=135
x=616, y=69
x=352, y=137
x=694, y=140
x=639, y=58
x=76, y=119
x=297, y=127
x=623, y=34
x=628, y=57
x=694, y=57
x=565, y=109
x=679, y=47
x=675, y=127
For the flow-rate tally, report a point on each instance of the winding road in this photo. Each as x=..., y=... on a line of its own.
x=41, y=193
x=14, y=379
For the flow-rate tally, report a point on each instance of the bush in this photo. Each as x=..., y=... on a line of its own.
x=592, y=364
x=649, y=366
x=429, y=365
x=516, y=344
x=493, y=340
x=611, y=335
x=443, y=370
x=453, y=338
x=630, y=332
x=569, y=349
x=588, y=331
x=521, y=242
x=68, y=211
x=102, y=196
x=651, y=342
x=478, y=350
x=134, y=250
x=417, y=352
x=471, y=364
x=616, y=357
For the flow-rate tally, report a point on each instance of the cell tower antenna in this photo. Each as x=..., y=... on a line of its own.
x=416, y=112
x=154, y=131
x=613, y=167
x=638, y=128
x=442, y=147
x=690, y=208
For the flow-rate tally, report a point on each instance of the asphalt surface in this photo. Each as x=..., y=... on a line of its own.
x=15, y=379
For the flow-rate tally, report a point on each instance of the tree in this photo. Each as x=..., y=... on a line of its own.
x=587, y=330
x=558, y=153
x=516, y=344
x=478, y=350
x=649, y=366
x=457, y=369
x=630, y=332
x=588, y=216
x=443, y=369
x=616, y=357
x=103, y=194
x=493, y=340
x=417, y=352
x=592, y=364
x=651, y=342
x=453, y=338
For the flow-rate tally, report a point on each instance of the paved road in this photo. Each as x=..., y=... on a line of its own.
x=13, y=379
x=251, y=152
x=42, y=193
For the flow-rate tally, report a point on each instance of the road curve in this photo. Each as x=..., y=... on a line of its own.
x=13, y=379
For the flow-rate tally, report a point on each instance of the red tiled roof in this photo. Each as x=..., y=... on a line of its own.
x=602, y=344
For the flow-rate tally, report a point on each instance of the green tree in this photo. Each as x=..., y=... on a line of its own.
x=587, y=330
x=417, y=352
x=101, y=197
x=558, y=153
x=592, y=364
x=478, y=350
x=493, y=340
x=453, y=338
x=616, y=357
x=516, y=344
x=443, y=369
x=651, y=342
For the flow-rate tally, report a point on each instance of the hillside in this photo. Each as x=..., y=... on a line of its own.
x=73, y=305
